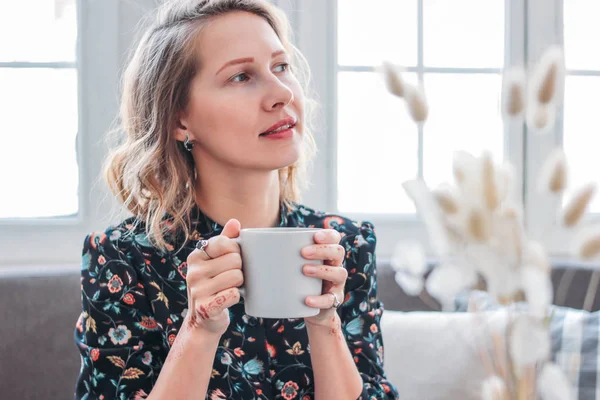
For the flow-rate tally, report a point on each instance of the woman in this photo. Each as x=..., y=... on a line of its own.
x=216, y=139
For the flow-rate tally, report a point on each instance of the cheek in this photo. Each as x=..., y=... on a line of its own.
x=221, y=116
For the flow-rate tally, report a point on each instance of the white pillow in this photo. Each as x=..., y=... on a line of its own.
x=434, y=355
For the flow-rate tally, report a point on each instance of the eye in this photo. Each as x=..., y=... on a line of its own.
x=243, y=77
x=285, y=66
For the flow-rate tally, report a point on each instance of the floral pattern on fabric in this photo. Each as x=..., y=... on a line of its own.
x=134, y=300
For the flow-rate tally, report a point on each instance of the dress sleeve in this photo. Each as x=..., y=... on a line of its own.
x=361, y=314
x=116, y=334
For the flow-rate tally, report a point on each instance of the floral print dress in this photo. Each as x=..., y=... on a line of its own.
x=134, y=300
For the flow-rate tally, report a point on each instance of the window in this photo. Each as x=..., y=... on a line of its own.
x=433, y=41
x=457, y=50
x=39, y=103
x=59, y=76
x=581, y=127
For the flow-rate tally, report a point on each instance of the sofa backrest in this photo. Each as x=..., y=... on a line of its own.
x=38, y=356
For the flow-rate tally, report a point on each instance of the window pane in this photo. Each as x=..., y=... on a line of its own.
x=377, y=146
x=463, y=33
x=381, y=30
x=464, y=115
x=38, y=166
x=39, y=30
x=582, y=132
x=581, y=33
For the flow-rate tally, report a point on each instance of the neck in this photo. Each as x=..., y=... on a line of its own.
x=250, y=197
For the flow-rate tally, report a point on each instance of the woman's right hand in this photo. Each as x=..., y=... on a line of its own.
x=212, y=283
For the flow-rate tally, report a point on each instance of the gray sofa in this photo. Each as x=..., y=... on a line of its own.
x=38, y=357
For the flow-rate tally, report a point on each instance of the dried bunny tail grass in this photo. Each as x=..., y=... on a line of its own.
x=446, y=198
x=505, y=181
x=577, y=206
x=587, y=243
x=430, y=213
x=540, y=117
x=513, y=215
x=553, y=177
x=393, y=79
x=547, y=79
x=545, y=91
x=479, y=224
x=463, y=165
x=488, y=177
x=416, y=102
x=513, y=92
x=535, y=255
x=494, y=388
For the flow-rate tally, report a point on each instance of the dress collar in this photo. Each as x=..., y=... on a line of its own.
x=206, y=227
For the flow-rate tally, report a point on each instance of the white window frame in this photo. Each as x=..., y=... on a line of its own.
x=315, y=27
x=105, y=31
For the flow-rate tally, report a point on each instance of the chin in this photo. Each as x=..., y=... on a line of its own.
x=282, y=159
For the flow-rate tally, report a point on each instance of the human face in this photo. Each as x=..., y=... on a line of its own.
x=243, y=88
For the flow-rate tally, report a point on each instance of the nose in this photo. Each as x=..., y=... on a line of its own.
x=278, y=95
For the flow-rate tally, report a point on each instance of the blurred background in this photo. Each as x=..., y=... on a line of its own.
x=60, y=66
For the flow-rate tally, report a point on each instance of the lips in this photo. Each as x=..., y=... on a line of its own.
x=282, y=125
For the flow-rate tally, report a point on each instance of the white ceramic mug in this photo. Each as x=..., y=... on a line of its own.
x=272, y=264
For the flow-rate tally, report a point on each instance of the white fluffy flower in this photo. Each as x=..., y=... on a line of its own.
x=553, y=384
x=553, y=177
x=538, y=290
x=409, y=257
x=447, y=280
x=393, y=79
x=430, y=213
x=416, y=102
x=513, y=92
x=529, y=341
x=410, y=284
x=494, y=388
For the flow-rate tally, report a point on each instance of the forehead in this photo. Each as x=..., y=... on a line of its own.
x=235, y=35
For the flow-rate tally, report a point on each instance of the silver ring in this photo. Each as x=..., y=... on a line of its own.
x=202, y=245
x=336, y=303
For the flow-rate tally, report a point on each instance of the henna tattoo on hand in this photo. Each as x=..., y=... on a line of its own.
x=214, y=306
x=337, y=329
x=177, y=348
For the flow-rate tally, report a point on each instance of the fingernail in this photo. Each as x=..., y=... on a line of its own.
x=309, y=269
x=309, y=251
x=320, y=235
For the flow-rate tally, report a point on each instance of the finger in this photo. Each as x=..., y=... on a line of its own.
x=335, y=275
x=228, y=279
x=212, y=268
x=331, y=252
x=217, y=247
x=327, y=236
x=214, y=305
x=324, y=302
x=231, y=228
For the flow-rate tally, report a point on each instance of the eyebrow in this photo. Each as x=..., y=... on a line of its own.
x=246, y=60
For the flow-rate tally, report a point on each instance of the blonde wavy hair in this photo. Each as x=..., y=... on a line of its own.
x=151, y=173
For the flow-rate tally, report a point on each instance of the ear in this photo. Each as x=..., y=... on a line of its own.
x=181, y=130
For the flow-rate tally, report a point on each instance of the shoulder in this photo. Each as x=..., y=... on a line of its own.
x=346, y=226
x=116, y=238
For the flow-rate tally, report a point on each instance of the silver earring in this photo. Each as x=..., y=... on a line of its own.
x=188, y=144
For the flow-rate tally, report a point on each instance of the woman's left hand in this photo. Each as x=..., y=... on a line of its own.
x=332, y=273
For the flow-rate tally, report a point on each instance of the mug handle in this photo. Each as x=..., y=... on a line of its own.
x=242, y=289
